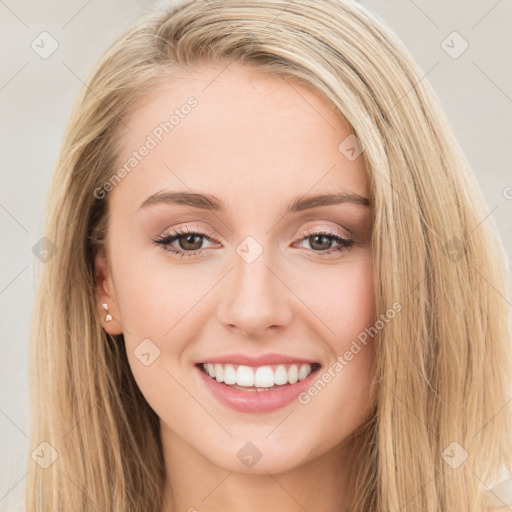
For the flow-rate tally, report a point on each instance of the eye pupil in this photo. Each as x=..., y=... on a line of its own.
x=326, y=241
x=189, y=240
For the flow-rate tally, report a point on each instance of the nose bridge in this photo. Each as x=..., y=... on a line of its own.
x=256, y=298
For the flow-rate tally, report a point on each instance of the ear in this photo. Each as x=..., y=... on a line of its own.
x=105, y=294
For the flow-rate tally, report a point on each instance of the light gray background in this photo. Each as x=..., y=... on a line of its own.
x=36, y=96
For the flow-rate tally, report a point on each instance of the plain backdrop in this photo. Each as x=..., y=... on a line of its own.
x=36, y=95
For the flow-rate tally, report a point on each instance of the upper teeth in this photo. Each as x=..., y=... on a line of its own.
x=261, y=377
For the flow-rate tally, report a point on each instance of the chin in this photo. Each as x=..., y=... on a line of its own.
x=257, y=456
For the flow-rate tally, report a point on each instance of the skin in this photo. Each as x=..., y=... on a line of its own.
x=256, y=142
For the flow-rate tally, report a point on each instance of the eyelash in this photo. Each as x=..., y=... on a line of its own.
x=165, y=241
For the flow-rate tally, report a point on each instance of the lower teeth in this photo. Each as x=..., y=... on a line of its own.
x=254, y=388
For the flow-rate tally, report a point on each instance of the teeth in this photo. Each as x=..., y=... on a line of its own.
x=262, y=377
x=244, y=376
x=219, y=373
x=229, y=374
x=280, y=375
x=303, y=373
x=293, y=374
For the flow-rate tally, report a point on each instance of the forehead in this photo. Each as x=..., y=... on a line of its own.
x=247, y=133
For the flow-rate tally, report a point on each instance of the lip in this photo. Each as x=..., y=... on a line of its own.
x=255, y=401
x=263, y=360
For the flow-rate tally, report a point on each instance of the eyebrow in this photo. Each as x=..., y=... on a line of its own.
x=210, y=202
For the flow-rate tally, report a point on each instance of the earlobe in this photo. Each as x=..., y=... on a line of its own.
x=108, y=308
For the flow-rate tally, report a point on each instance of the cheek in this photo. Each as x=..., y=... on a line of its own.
x=153, y=290
x=343, y=300
x=340, y=397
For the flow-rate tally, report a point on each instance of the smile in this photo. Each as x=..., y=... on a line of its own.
x=261, y=378
x=256, y=389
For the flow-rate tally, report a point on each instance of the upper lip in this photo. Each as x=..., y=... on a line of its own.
x=262, y=360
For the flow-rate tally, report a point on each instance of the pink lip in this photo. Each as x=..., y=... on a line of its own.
x=255, y=401
x=265, y=359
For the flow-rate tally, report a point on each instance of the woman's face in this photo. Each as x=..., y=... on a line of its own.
x=259, y=274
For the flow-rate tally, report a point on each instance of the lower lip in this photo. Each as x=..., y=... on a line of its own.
x=256, y=401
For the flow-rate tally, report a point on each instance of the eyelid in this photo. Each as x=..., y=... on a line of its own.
x=166, y=239
x=321, y=229
x=200, y=230
x=310, y=230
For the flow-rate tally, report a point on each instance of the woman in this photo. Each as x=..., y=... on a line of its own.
x=272, y=286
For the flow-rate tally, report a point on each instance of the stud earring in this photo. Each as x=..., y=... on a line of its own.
x=109, y=316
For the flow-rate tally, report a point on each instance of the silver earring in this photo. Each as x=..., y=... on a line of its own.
x=109, y=316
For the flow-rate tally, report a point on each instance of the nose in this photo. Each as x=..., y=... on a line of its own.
x=255, y=299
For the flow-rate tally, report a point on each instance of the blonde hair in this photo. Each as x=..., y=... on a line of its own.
x=443, y=364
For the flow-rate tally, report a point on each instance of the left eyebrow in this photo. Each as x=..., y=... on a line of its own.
x=300, y=204
x=210, y=202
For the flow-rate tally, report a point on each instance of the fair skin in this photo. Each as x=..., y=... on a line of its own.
x=256, y=143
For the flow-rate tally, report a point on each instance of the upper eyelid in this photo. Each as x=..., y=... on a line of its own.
x=205, y=233
x=176, y=233
x=168, y=238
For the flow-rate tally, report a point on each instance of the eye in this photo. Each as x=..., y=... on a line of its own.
x=190, y=242
x=321, y=242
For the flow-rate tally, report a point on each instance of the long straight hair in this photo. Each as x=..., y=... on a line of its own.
x=442, y=421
